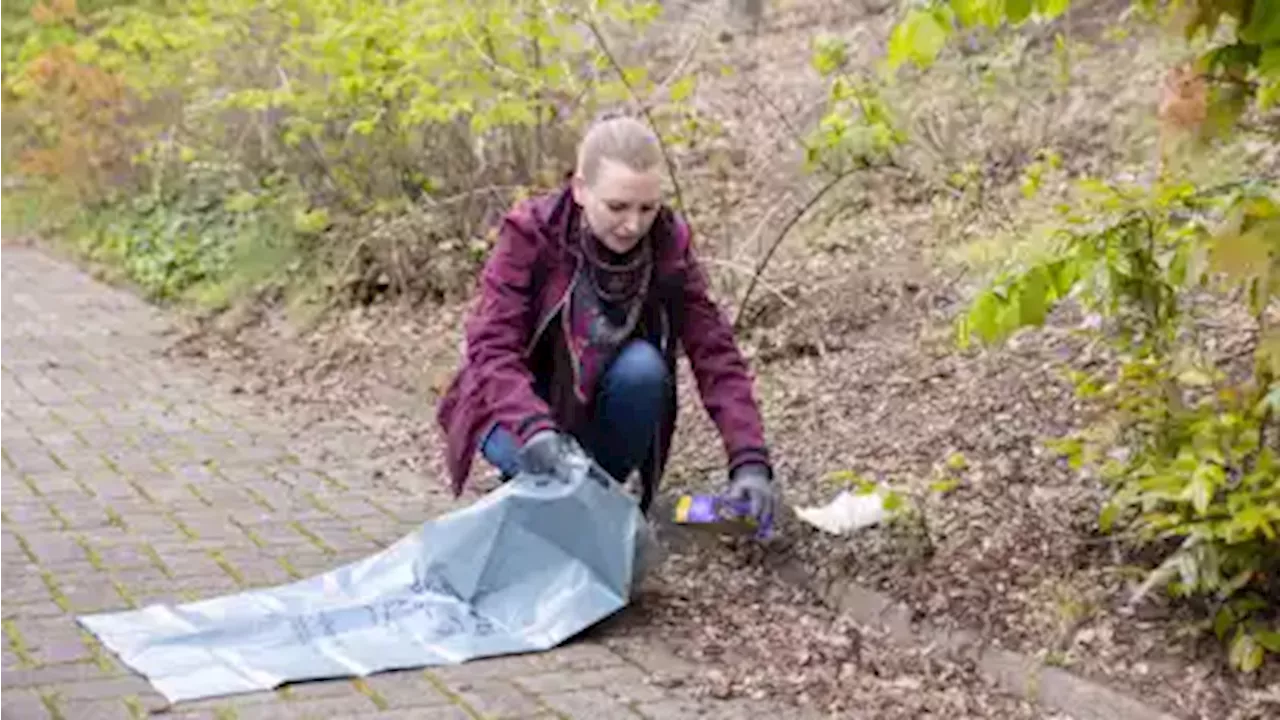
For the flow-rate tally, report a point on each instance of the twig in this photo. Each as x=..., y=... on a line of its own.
x=662, y=145
x=464, y=196
x=739, y=267
x=777, y=241
x=786, y=122
x=684, y=60
x=1162, y=574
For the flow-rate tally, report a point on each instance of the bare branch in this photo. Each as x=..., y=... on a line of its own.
x=622, y=75
x=777, y=241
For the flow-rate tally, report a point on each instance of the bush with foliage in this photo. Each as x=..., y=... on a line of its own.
x=1188, y=445
x=381, y=137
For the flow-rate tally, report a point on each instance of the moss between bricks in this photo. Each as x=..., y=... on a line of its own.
x=363, y=688
x=18, y=644
x=454, y=697
x=289, y=568
x=313, y=538
x=227, y=567
x=55, y=591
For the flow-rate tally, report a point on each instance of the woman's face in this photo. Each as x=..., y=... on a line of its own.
x=621, y=204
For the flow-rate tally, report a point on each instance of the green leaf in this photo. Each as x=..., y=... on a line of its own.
x=1269, y=61
x=983, y=316
x=944, y=486
x=1273, y=398
x=1107, y=518
x=1204, y=483
x=830, y=54
x=1250, y=522
x=892, y=501
x=1223, y=621
x=1240, y=256
x=1051, y=9
x=1269, y=639
x=918, y=38
x=1017, y=10
x=1246, y=652
x=1263, y=27
x=310, y=222
x=1033, y=300
x=682, y=89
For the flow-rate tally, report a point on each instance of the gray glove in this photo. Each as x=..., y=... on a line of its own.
x=750, y=486
x=544, y=453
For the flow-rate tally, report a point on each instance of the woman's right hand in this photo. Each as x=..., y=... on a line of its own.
x=544, y=453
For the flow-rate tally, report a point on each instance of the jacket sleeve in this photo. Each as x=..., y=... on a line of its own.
x=499, y=328
x=723, y=378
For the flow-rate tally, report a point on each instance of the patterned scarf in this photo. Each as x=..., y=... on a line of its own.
x=605, y=307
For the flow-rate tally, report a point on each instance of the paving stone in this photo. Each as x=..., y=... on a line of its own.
x=589, y=705
x=320, y=689
x=451, y=712
x=23, y=705
x=186, y=562
x=11, y=662
x=139, y=578
x=653, y=657
x=31, y=610
x=625, y=682
x=408, y=688
x=10, y=547
x=31, y=516
x=340, y=537
x=322, y=709
x=53, y=640
x=87, y=513
x=125, y=556
x=114, y=709
x=56, y=482
x=494, y=698
x=211, y=524
x=101, y=688
x=50, y=674
x=23, y=584
x=230, y=704
x=309, y=561
x=255, y=568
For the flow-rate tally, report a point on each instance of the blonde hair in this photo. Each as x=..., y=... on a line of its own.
x=620, y=139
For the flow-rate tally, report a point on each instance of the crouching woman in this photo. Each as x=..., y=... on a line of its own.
x=582, y=305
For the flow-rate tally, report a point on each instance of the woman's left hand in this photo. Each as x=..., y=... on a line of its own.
x=752, y=487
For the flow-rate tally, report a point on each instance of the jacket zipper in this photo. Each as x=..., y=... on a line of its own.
x=555, y=310
x=651, y=491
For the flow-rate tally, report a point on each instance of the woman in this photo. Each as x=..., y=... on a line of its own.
x=582, y=304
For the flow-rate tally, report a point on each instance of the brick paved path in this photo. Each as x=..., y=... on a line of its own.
x=127, y=480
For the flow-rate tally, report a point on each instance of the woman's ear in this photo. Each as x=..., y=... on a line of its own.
x=580, y=191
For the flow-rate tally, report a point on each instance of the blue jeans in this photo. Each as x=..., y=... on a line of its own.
x=628, y=406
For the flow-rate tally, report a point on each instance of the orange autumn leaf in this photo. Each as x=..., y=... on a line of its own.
x=1184, y=100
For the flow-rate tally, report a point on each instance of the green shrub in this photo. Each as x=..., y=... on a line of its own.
x=1188, y=444
x=356, y=114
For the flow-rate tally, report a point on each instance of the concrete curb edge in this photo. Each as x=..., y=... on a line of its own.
x=1049, y=686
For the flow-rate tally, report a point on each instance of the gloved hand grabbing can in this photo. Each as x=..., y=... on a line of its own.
x=752, y=487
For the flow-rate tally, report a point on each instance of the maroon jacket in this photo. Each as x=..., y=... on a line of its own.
x=510, y=336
